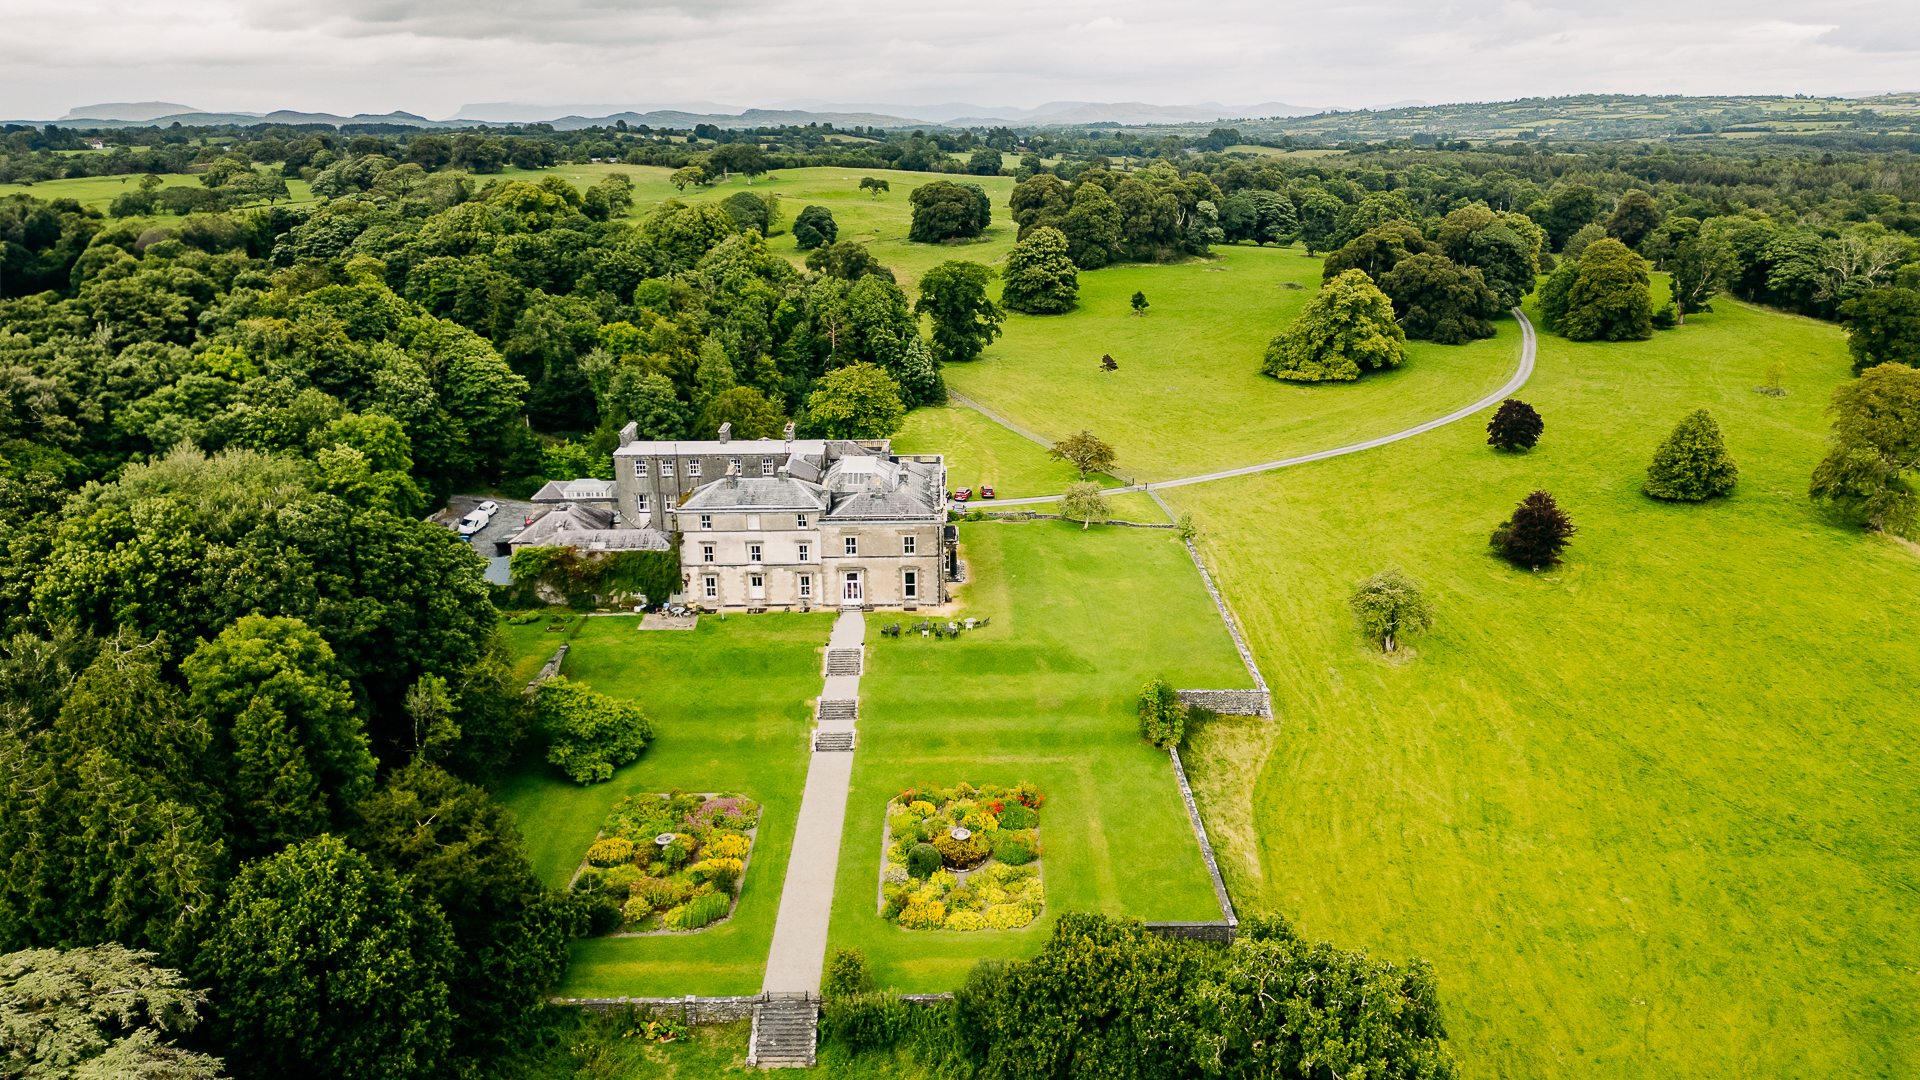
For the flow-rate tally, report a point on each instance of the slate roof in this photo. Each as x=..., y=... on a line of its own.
x=755, y=493
x=867, y=488
x=587, y=528
x=584, y=488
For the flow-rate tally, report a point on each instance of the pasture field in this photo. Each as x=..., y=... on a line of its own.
x=1650, y=811
x=729, y=705
x=980, y=451
x=1189, y=396
x=98, y=192
x=1046, y=693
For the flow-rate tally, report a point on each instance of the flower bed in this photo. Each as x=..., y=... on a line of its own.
x=686, y=884
x=962, y=858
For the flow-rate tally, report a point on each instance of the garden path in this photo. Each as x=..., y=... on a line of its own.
x=798, y=955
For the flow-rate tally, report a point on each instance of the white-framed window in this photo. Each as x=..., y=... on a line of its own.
x=756, y=583
x=753, y=522
x=666, y=468
x=753, y=552
x=799, y=521
x=906, y=545
x=766, y=466
x=643, y=504
x=806, y=552
x=713, y=588
x=693, y=466
x=910, y=585
x=706, y=521
x=735, y=463
x=806, y=585
x=640, y=470
x=706, y=552
x=853, y=545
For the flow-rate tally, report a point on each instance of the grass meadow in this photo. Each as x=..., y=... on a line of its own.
x=729, y=702
x=1649, y=812
x=1045, y=694
x=1189, y=396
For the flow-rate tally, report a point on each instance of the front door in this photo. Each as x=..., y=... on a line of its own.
x=852, y=589
x=756, y=587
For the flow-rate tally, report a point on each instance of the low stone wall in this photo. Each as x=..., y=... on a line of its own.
x=550, y=668
x=1229, y=702
x=1220, y=933
x=1206, y=845
x=1022, y=515
x=690, y=1009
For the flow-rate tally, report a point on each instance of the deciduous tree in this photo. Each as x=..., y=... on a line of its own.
x=814, y=228
x=856, y=402
x=1083, y=502
x=1439, y=300
x=1537, y=532
x=1348, y=327
x=1606, y=296
x=1041, y=278
x=965, y=319
x=1515, y=426
x=1085, y=452
x=1390, y=604
x=1883, y=327
x=1873, y=447
x=592, y=734
x=1693, y=463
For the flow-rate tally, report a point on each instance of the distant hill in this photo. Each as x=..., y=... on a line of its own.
x=126, y=110
x=204, y=119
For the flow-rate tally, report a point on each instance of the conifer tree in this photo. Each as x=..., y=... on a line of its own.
x=1693, y=464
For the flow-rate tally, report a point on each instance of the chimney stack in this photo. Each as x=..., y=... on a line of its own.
x=629, y=433
x=726, y=432
x=788, y=435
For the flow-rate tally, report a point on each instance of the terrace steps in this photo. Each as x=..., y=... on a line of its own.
x=785, y=1033
x=833, y=741
x=848, y=711
x=844, y=661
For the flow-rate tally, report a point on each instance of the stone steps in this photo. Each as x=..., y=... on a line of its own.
x=839, y=710
x=843, y=661
x=833, y=741
x=785, y=1031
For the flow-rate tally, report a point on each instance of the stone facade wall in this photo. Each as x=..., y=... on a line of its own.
x=1220, y=933
x=1229, y=702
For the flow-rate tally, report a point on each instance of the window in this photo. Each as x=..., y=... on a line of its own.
x=806, y=552
x=806, y=585
x=753, y=552
x=666, y=468
x=706, y=552
x=640, y=470
x=706, y=521
x=800, y=521
x=643, y=504
x=734, y=464
x=766, y=466
x=853, y=545
x=906, y=545
x=713, y=588
x=693, y=466
x=753, y=522
x=910, y=585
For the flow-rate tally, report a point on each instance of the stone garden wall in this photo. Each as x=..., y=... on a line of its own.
x=1219, y=933
x=1229, y=702
x=690, y=1009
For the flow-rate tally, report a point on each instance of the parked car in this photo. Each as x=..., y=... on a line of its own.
x=963, y=495
x=986, y=491
x=488, y=508
x=473, y=523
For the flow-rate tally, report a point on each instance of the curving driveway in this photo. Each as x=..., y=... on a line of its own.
x=1528, y=344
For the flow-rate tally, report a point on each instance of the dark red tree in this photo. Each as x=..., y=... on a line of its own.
x=1515, y=426
x=1537, y=532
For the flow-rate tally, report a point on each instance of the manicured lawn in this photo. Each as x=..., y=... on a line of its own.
x=1045, y=694
x=1650, y=812
x=729, y=704
x=980, y=451
x=1188, y=396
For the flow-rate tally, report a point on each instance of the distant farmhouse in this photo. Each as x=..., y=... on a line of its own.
x=766, y=523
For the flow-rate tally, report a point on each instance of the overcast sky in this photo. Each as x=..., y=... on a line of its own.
x=431, y=56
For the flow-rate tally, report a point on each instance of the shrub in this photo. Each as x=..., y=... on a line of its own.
x=1018, y=817
x=721, y=873
x=923, y=860
x=920, y=808
x=962, y=899
x=700, y=911
x=966, y=920
x=846, y=974
x=611, y=851
x=1029, y=796
x=1515, y=426
x=861, y=1022
x=1693, y=463
x=729, y=847
x=1007, y=916
x=637, y=908
x=592, y=733
x=1163, y=719
x=979, y=820
x=1016, y=849
x=962, y=854
x=1536, y=533
x=924, y=915
x=893, y=900
x=679, y=850
x=902, y=823
x=659, y=893
x=895, y=874
x=1033, y=895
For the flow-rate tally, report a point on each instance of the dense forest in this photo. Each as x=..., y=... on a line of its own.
x=247, y=686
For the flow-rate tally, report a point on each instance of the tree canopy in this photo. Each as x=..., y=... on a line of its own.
x=856, y=402
x=965, y=319
x=1040, y=277
x=1347, y=328
x=1692, y=463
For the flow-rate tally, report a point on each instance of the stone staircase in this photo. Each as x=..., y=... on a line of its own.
x=848, y=711
x=843, y=661
x=785, y=1031
x=833, y=741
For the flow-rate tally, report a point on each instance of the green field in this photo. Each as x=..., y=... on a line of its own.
x=1651, y=811
x=980, y=451
x=1045, y=694
x=1188, y=396
x=98, y=192
x=729, y=702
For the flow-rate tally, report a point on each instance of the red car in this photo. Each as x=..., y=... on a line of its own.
x=963, y=495
x=986, y=491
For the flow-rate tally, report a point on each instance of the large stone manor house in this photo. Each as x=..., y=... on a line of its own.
x=772, y=523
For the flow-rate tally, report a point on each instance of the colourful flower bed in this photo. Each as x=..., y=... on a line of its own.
x=963, y=858
x=687, y=884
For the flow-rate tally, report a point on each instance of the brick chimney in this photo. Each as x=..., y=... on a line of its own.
x=726, y=432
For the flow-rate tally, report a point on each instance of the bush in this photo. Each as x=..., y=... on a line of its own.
x=1693, y=463
x=962, y=854
x=1007, y=916
x=814, y=228
x=865, y=1021
x=1018, y=817
x=611, y=851
x=846, y=974
x=923, y=860
x=1016, y=849
x=1515, y=426
x=920, y=808
x=1536, y=533
x=728, y=847
x=979, y=820
x=924, y=915
x=592, y=733
x=700, y=911
x=894, y=900
x=637, y=908
x=1041, y=279
x=1163, y=719
x=966, y=920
